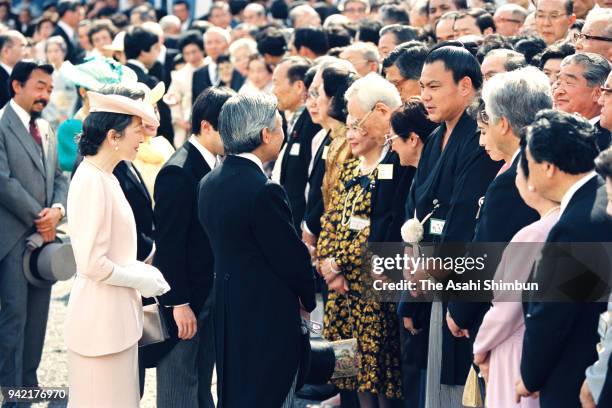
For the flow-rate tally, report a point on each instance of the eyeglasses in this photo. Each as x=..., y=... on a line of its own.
x=550, y=17
x=583, y=36
x=484, y=117
x=389, y=138
x=358, y=127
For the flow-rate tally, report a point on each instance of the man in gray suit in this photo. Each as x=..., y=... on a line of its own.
x=32, y=198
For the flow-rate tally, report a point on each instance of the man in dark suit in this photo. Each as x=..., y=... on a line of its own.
x=263, y=276
x=32, y=200
x=164, y=64
x=12, y=45
x=141, y=50
x=69, y=12
x=503, y=212
x=185, y=258
x=578, y=90
x=292, y=165
x=597, y=386
x=561, y=333
x=216, y=43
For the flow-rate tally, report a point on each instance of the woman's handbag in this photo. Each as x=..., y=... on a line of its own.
x=154, y=329
x=472, y=396
x=346, y=353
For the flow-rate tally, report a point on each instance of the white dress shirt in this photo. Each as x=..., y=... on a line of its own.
x=254, y=159
x=572, y=190
x=6, y=68
x=210, y=158
x=593, y=121
x=24, y=117
x=69, y=30
x=139, y=65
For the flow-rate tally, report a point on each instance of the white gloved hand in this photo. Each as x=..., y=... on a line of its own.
x=147, y=279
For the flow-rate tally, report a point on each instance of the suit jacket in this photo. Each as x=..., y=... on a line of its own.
x=74, y=53
x=502, y=214
x=294, y=165
x=137, y=195
x=603, y=136
x=560, y=338
x=183, y=252
x=314, y=202
x=162, y=71
x=261, y=269
x=28, y=184
x=388, y=201
x=202, y=81
x=5, y=96
x=165, y=118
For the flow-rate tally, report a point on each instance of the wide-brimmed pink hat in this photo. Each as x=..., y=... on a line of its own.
x=122, y=104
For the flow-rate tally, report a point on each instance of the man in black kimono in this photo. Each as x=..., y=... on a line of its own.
x=453, y=173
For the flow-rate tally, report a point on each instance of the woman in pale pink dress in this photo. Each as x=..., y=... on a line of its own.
x=498, y=346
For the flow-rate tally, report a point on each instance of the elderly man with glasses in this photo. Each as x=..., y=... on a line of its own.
x=553, y=19
x=596, y=35
x=577, y=90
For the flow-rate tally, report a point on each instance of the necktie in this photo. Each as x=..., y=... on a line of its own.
x=35, y=132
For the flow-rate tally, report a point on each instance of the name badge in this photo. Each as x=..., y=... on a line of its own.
x=385, y=171
x=436, y=226
x=358, y=223
x=325, y=150
x=295, y=150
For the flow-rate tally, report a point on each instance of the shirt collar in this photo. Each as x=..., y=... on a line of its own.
x=6, y=68
x=23, y=116
x=69, y=30
x=139, y=65
x=593, y=121
x=572, y=190
x=210, y=158
x=162, y=54
x=254, y=159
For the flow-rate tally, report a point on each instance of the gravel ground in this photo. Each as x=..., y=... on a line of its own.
x=53, y=369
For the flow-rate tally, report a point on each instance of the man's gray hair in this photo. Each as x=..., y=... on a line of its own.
x=367, y=50
x=517, y=11
x=170, y=21
x=372, y=89
x=601, y=14
x=596, y=68
x=218, y=30
x=517, y=96
x=242, y=119
x=512, y=59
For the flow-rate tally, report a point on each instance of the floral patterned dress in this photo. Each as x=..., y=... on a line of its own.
x=374, y=324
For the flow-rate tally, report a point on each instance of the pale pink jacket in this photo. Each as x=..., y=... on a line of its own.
x=102, y=319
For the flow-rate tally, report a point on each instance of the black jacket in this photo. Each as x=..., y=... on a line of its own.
x=262, y=269
x=5, y=96
x=502, y=214
x=162, y=71
x=165, y=117
x=294, y=164
x=137, y=195
x=183, y=251
x=560, y=337
x=314, y=202
x=74, y=53
x=201, y=82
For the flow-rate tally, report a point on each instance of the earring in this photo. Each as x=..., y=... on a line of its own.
x=116, y=147
x=531, y=188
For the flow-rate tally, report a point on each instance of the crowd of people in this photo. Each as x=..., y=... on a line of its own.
x=230, y=161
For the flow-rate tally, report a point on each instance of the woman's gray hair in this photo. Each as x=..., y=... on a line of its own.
x=517, y=96
x=242, y=119
x=372, y=89
x=596, y=68
x=57, y=40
